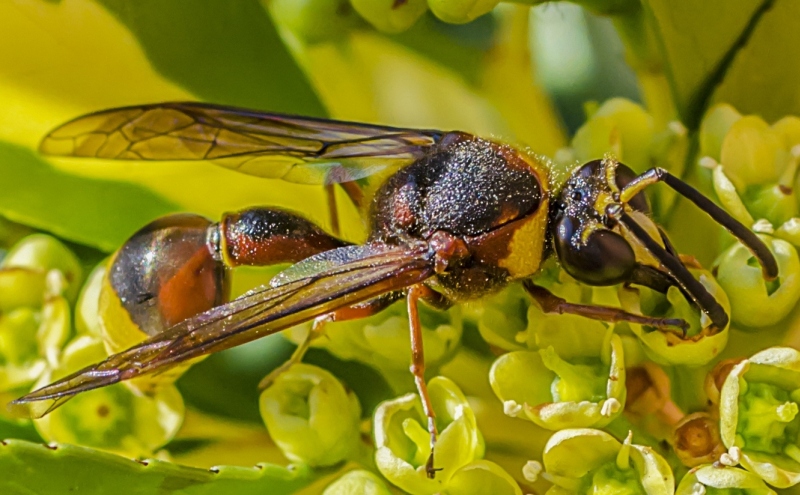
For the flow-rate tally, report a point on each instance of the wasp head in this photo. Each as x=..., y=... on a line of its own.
x=587, y=240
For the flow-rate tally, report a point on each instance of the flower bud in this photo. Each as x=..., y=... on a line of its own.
x=357, y=481
x=592, y=461
x=620, y=127
x=788, y=129
x=403, y=444
x=44, y=252
x=20, y=361
x=87, y=310
x=315, y=21
x=21, y=288
x=696, y=440
x=754, y=301
x=460, y=11
x=715, y=126
x=752, y=153
x=759, y=415
x=311, y=416
x=34, y=324
x=482, y=477
x=111, y=418
x=390, y=16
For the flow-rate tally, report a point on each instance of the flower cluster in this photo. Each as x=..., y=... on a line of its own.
x=610, y=407
x=754, y=174
x=40, y=283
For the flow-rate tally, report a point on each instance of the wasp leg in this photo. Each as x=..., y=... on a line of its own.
x=768, y=264
x=356, y=312
x=659, y=281
x=333, y=211
x=677, y=271
x=437, y=300
x=650, y=277
x=317, y=330
x=550, y=303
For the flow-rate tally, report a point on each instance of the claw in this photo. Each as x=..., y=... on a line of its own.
x=429, y=469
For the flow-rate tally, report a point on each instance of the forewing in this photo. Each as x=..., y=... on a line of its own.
x=298, y=149
x=258, y=313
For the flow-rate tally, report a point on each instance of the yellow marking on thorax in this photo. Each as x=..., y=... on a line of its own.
x=526, y=248
x=527, y=244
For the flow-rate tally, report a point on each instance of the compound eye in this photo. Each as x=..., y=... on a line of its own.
x=605, y=258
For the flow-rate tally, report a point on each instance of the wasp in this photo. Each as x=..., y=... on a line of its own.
x=452, y=217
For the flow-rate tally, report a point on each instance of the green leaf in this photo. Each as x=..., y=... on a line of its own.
x=763, y=75
x=35, y=468
x=19, y=429
x=225, y=52
x=81, y=56
x=697, y=41
x=96, y=212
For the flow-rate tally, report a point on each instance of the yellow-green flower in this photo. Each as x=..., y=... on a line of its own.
x=579, y=461
x=402, y=441
x=311, y=416
x=357, y=481
x=718, y=479
x=113, y=418
x=759, y=421
x=378, y=340
x=754, y=301
x=701, y=344
x=578, y=386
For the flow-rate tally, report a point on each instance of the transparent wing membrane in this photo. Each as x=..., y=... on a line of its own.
x=258, y=313
x=297, y=149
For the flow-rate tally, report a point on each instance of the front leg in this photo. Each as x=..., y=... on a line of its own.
x=552, y=304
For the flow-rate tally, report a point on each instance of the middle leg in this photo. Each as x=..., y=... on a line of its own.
x=317, y=330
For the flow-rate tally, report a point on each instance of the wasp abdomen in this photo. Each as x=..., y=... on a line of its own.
x=167, y=272
x=265, y=236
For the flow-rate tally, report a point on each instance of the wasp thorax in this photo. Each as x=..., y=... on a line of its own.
x=167, y=272
x=583, y=236
x=467, y=188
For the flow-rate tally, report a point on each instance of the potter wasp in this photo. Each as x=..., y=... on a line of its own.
x=452, y=217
